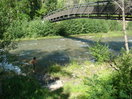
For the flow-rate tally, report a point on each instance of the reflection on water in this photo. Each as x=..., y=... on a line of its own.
x=62, y=50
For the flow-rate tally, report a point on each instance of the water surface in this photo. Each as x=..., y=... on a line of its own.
x=63, y=50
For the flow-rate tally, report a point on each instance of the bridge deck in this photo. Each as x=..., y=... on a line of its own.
x=98, y=10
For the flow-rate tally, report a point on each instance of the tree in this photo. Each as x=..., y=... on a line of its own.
x=121, y=4
x=35, y=5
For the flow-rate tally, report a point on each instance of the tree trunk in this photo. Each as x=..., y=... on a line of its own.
x=124, y=27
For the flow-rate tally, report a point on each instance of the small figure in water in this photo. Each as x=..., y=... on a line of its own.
x=33, y=62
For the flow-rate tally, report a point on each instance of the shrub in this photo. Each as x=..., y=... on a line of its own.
x=69, y=27
x=61, y=29
x=34, y=28
x=17, y=29
x=99, y=88
x=100, y=52
x=78, y=26
x=37, y=28
x=96, y=26
x=123, y=79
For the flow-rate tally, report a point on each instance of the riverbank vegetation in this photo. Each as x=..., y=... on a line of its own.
x=28, y=23
x=37, y=28
x=108, y=76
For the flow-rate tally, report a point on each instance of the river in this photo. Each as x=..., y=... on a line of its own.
x=62, y=50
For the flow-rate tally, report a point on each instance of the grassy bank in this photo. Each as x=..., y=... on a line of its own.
x=76, y=76
x=107, y=78
x=90, y=35
x=75, y=79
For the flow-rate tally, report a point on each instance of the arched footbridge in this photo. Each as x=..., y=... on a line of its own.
x=97, y=10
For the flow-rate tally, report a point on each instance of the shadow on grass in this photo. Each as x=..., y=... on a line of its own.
x=56, y=94
x=28, y=88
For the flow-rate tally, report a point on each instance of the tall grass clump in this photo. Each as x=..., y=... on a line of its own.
x=100, y=52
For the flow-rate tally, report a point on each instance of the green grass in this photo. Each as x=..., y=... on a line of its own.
x=90, y=35
x=74, y=75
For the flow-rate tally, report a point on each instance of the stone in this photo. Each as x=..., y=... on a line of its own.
x=55, y=85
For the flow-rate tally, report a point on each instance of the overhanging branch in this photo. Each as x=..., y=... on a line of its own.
x=118, y=4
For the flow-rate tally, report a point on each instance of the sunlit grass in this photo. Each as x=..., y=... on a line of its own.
x=74, y=76
x=89, y=35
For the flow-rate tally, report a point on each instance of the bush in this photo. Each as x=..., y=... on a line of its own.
x=100, y=88
x=37, y=28
x=100, y=52
x=17, y=29
x=20, y=87
x=34, y=28
x=79, y=26
x=96, y=26
x=123, y=79
x=69, y=27
x=61, y=29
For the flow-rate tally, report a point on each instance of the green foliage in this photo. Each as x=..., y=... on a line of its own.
x=100, y=52
x=20, y=87
x=84, y=26
x=123, y=79
x=69, y=27
x=60, y=4
x=15, y=16
x=17, y=29
x=54, y=69
x=35, y=5
x=129, y=27
x=37, y=28
x=114, y=25
x=10, y=11
x=48, y=6
x=4, y=17
x=99, y=88
x=34, y=28
x=61, y=29
x=95, y=26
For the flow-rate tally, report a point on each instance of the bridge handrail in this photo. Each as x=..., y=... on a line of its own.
x=77, y=5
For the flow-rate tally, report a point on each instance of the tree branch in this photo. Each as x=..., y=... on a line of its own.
x=118, y=5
